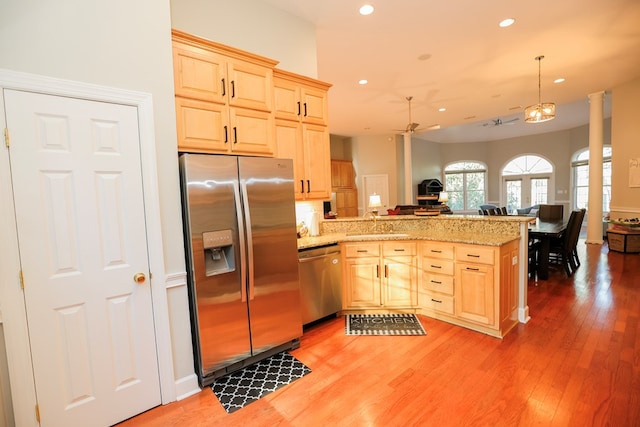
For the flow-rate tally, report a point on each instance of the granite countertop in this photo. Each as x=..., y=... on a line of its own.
x=453, y=237
x=490, y=230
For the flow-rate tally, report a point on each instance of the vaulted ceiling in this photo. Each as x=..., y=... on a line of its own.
x=453, y=55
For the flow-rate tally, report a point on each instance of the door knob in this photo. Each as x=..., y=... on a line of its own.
x=139, y=278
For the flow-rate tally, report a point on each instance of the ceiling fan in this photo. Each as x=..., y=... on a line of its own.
x=500, y=122
x=411, y=126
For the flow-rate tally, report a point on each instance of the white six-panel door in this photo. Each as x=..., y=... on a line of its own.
x=76, y=171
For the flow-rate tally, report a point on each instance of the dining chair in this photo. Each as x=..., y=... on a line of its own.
x=563, y=250
x=503, y=210
x=574, y=252
x=551, y=212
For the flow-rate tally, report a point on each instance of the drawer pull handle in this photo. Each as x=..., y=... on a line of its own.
x=473, y=269
x=435, y=266
x=473, y=255
x=362, y=250
x=435, y=300
x=436, y=282
x=436, y=252
x=399, y=250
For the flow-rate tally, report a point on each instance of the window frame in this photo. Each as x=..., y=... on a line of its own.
x=482, y=168
x=577, y=161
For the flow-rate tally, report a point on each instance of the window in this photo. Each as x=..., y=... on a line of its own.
x=527, y=181
x=580, y=167
x=465, y=184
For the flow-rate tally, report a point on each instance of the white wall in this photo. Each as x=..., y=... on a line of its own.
x=625, y=145
x=376, y=155
x=253, y=26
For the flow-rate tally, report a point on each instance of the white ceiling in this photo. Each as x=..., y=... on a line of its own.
x=475, y=68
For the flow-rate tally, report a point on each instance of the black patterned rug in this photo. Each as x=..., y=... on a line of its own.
x=249, y=384
x=383, y=324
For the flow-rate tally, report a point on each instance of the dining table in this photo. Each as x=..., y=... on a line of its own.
x=544, y=232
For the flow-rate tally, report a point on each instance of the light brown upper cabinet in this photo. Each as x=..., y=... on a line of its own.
x=302, y=134
x=300, y=98
x=224, y=98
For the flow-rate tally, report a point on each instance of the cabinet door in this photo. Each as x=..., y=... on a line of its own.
x=317, y=166
x=250, y=85
x=362, y=283
x=202, y=126
x=347, y=203
x=286, y=100
x=251, y=132
x=400, y=282
x=314, y=106
x=342, y=174
x=289, y=146
x=198, y=74
x=474, y=293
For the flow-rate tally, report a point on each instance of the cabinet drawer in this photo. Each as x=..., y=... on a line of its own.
x=439, y=266
x=437, y=283
x=354, y=250
x=480, y=254
x=440, y=303
x=398, y=248
x=437, y=250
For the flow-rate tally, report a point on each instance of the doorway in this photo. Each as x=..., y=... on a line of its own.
x=73, y=226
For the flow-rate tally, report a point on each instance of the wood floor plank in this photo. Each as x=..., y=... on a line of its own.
x=575, y=363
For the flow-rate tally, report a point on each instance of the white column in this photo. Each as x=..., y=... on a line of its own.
x=408, y=173
x=594, y=208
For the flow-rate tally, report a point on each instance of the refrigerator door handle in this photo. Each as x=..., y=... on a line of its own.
x=247, y=222
x=241, y=235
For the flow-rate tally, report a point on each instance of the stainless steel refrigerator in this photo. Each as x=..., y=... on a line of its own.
x=242, y=259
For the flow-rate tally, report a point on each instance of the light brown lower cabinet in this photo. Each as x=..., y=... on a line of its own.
x=379, y=275
x=474, y=286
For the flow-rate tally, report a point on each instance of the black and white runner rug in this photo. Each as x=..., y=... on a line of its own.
x=249, y=384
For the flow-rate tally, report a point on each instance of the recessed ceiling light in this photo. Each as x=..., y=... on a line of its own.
x=559, y=80
x=507, y=22
x=442, y=109
x=367, y=9
x=363, y=82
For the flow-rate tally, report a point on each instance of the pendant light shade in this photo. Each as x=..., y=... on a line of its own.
x=542, y=111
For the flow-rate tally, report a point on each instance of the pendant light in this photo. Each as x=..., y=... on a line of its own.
x=542, y=111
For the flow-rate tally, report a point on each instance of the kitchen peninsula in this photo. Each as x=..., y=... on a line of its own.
x=468, y=270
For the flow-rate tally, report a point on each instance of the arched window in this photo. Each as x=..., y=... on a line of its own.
x=580, y=166
x=465, y=182
x=527, y=181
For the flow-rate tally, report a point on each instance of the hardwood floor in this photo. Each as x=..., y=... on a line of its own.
x=576, y=363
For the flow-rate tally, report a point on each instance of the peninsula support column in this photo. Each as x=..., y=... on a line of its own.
x=594, y=215
x=408, y=171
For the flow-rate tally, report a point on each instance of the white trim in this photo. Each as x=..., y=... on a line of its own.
x=187, y=386
x=625, y=209
x=16, y=331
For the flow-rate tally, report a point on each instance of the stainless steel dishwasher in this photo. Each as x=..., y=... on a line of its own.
x=320, y=282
